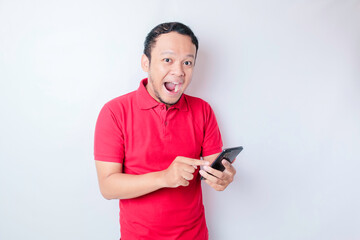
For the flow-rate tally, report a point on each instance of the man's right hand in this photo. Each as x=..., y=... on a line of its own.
x=181, y=170
x=114, y=184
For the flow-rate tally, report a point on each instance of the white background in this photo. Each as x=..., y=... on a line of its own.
x=282, y=77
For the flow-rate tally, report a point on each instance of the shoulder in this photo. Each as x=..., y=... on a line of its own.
x=200, y=109
x=197, y=104
x=117, y=108
x=121, y=102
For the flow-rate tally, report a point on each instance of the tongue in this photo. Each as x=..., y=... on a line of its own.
x=170, y=86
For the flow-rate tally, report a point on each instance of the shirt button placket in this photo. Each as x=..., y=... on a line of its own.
x=164, y=123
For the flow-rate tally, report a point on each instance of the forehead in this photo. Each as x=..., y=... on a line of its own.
x=174, y=42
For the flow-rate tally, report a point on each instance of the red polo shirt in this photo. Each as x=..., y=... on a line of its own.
x=144, y=136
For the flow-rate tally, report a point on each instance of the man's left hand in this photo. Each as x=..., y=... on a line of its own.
x=219, y=180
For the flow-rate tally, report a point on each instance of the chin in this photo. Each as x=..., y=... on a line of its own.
x=170, y=102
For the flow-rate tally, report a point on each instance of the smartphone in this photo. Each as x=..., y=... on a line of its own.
x=228, y=154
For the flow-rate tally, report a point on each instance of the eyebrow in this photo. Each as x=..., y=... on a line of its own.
x=172, y=53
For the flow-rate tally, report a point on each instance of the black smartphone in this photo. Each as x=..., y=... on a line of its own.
x=228, y=154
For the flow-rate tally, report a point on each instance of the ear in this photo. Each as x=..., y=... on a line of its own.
x=145, y=63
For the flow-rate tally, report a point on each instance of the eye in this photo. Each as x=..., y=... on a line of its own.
x=188, y=63
x=167, y=60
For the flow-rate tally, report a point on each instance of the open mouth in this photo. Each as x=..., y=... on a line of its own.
x=173, y=87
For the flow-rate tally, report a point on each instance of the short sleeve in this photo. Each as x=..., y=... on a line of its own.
x=212, y=137
x=109, y=138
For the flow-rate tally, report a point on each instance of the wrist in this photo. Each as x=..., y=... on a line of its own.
x=160, y=179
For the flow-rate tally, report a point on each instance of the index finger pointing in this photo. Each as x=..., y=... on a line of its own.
x=195, y=162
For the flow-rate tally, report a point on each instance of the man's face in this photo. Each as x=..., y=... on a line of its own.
x=171, y=66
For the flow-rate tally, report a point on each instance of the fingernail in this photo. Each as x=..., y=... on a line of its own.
x=206, y=167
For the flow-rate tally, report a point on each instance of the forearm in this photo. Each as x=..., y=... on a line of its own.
x=125, y=186
x=114, y=184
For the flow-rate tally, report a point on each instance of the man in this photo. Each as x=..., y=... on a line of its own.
x=148, y=144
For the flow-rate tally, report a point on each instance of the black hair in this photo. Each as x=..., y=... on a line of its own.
x=163, y=28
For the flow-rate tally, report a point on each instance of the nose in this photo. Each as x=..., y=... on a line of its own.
x=178, y=70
